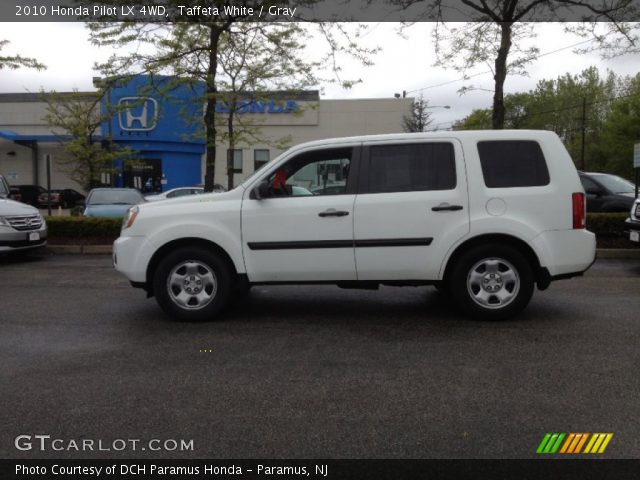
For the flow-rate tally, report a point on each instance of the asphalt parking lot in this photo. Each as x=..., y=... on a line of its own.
x=315, y=371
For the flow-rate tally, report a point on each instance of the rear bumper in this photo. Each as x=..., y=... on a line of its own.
x=565, y=253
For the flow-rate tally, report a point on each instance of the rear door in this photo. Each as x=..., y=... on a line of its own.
x=411, y=208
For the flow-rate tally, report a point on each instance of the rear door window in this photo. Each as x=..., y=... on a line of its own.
x=412, y=167
x=513, y=163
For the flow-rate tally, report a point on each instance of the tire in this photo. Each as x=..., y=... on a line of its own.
x=491, y=282
x=192, y=284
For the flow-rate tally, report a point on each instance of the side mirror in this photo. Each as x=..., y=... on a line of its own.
x=261, y=191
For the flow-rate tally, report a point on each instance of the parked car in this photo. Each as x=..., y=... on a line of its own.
x=65, y=198
x=111, y=202
x=217, y=188
x=174, y=193
x=14, y=194
x=330, y=189
x=632, y=224
x=607, y=193
x=27, y=193
x=22, y=228
x=485, y=215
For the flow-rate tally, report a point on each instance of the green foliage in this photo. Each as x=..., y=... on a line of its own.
x=606, y=225
x=17, y=61
x=419, y=119
x=620, y=131
x=82, y=227
x=201, y=50
x=603, y=111
x=78, y=118
x=500, y=28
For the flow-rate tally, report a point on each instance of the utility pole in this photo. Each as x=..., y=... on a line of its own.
x=584, y=128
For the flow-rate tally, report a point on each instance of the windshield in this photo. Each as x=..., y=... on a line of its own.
x=115, y=197
x=616, y=184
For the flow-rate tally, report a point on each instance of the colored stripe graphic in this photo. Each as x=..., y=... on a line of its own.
x=598, y=442
x=572, y=443
x=550, y=443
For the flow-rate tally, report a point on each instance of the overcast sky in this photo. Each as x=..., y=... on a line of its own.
x=405, y=63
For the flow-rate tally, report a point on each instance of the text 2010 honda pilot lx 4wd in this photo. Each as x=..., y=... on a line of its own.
x=485, y=215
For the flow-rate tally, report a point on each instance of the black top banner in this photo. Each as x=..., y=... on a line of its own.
x=158, y=11
x=533, y=469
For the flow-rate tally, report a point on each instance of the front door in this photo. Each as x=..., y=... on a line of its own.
x=412, y=208
x=302, y=229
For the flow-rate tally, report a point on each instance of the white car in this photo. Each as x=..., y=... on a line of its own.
x=174, y=193
x=484, y=215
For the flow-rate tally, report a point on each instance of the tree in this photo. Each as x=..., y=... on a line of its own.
x=621, y=130
x=248, y=76
x=419, y=118
x=499, y=27
x=16, y=61
x=191, y=52
x=594, y=116
x=77, y=118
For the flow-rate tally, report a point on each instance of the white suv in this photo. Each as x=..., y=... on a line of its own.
x=484, y=215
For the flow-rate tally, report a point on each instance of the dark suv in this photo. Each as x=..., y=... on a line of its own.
x=607, y=193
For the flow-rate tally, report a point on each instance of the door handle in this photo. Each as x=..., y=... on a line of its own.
x=332, y=212
x=445, y=207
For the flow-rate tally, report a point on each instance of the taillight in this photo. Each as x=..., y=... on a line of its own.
x=579, y=211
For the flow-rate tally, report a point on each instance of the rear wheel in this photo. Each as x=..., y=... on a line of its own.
x=492, y=282
x=192, y=284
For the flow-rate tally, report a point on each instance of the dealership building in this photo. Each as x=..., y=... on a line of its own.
x=162, y=128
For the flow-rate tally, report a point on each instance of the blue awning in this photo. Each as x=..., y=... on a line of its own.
x=17, y=137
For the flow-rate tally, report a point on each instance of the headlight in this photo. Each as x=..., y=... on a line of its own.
x=4, y=222
x=130, y=217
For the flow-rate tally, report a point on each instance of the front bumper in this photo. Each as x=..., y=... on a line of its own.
x=131, y=257
x=632, y=230
x=12, y=240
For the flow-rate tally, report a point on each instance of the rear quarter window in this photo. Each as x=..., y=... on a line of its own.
x=513, y=163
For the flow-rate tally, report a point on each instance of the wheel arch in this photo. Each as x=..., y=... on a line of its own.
x=541, y=276
x=193, y=242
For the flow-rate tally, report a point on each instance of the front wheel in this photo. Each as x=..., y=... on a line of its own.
x=192, y=284
x=492, y=282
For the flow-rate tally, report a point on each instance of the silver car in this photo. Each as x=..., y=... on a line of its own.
x=22, y=227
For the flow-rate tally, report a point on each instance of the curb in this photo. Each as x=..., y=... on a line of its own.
x=606, y=253
x=619, y=253
x=79, y=249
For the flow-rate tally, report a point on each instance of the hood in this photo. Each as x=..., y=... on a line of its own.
x=11, y=207
x=234, y=194
x=106, y=210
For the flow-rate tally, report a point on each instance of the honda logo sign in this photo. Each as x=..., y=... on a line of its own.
x=138, y=114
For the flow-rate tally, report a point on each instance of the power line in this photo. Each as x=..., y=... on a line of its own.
x=467, y=77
